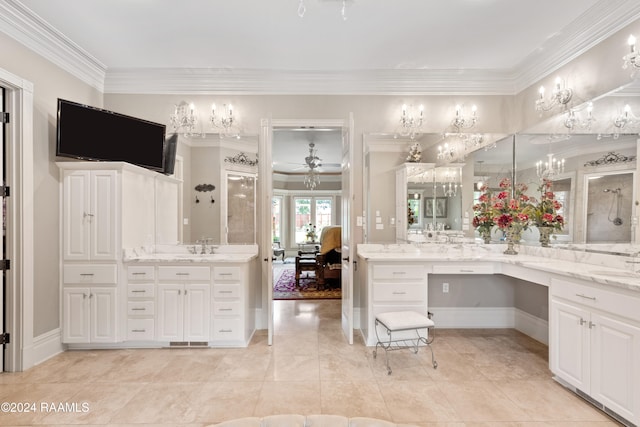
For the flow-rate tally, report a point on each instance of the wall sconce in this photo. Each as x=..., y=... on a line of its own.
x=184, y=118
x=410, y=124
x=574, y=121
x=446, y=152
x=631, y=58
x=549, y=168
x=460, y=122
x=559, y=96
x=622, y=120
x=224, y=121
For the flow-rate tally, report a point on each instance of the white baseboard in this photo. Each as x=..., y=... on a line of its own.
x=533, y=326
x=44, y=347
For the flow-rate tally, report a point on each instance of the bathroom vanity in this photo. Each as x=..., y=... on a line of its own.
x=593, y=302
x=125, y=282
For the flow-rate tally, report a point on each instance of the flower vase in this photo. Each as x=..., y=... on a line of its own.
x=486, y=236
x=545, y=234
x=514, y=233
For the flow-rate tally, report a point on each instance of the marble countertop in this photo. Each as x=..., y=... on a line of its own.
x=182, y=254
x=599, y=268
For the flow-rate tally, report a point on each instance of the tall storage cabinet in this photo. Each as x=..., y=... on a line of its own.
x=105, y=207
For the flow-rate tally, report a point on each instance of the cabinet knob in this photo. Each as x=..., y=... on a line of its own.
x=582, y=321
x=591, y=325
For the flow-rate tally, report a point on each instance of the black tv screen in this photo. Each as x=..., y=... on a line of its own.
x=91, y=133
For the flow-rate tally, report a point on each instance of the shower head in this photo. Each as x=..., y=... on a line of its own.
x=606, y=190
x=609, y=190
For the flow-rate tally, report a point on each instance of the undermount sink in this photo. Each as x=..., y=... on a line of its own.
x=614, y=273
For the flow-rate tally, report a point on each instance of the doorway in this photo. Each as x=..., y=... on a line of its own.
x=3, y=293
x=307, y=199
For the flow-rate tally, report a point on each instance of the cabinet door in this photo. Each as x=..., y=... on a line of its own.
x=170, y=312
x=103, y=209
x=75, y=315
x=616, y=355
x=103, y=314
x=76, y=214
x=569, y=344
x=197, y=312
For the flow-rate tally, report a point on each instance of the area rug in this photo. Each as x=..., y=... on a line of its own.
x=285, y=287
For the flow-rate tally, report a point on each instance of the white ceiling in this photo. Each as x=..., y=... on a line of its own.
x=384, y=46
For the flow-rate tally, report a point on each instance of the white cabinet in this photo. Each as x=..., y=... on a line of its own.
x=184, y=307
x=232, y=322
x=391, y=287
x=141, y=303
x=595, y=344
x=89, y=315
x=89, y=215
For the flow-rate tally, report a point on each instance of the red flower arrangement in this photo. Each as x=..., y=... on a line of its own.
x=545, y=212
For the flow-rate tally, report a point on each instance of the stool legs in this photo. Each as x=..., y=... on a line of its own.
x=399, y=344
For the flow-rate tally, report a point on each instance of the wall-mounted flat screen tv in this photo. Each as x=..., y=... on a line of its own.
x=90, y=133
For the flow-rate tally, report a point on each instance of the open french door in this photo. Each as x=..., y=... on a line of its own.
x=265, y=181
x=347, y=225
x=4, y=120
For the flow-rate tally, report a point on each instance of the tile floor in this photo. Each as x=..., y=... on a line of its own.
x=484, y=378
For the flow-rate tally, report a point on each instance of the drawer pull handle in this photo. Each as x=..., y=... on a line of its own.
x=462, y=270
x=182, y=274
x=138, y=309
x=138, y=330
x=399, y=272
x=226, y=292
x=137, y=273
x=399, y=293
x=226, y=330
x=225, y=274
x=226, y=309
x=586, y=297
x=138, y=291
x=86, y=274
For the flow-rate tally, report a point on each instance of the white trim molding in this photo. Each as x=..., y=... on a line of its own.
x=44, y=347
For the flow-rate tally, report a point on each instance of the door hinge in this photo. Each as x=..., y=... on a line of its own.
x=5, y=264
x=5, y=338
x=6, y=191
x=4, y=117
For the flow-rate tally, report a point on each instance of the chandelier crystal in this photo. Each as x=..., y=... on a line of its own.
x=549, y=168
x=313, y=162
x=560, y=96
x=450, y=180
x=631, y=58
x=184, y=118
x=410, y=123
x=446, y=152
x=573, y=120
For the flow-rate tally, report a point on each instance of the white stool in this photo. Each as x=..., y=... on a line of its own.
x=396, y=322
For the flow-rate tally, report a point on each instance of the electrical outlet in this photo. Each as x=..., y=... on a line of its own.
x=445, y=288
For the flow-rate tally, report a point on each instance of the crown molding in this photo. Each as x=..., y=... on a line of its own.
x=23, y=25
x=601, y=21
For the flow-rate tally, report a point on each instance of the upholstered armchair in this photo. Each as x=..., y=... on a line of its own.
x=328, y=260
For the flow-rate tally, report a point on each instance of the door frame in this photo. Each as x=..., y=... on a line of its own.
x=20, y=353
x=266, y=193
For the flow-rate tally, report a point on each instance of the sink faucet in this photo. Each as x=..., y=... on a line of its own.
x=203, y=242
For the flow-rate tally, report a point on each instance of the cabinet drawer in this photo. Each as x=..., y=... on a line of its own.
x=603, y=299
x=405, y=292
x=227, y=308
x=140, y=308
x=141, y=291
x=226, y=291
x=463, y=269
x=403, y=272
x=139, y=272
x=226, y=273
x=140, y=330
x=186, y=273
x=227, y=330
x=98, y=274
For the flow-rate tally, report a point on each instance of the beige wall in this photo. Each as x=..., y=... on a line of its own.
x=50, y=83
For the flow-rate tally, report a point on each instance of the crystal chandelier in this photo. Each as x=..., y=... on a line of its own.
x=631, y=58
x=312, y=178
x=622, y=120
x=549, y=168
x=460, y=122
x=450, y=181
x=184, y=118
x=573, y=120
x=410, y=124
x=224, y=121
x=560, y=95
